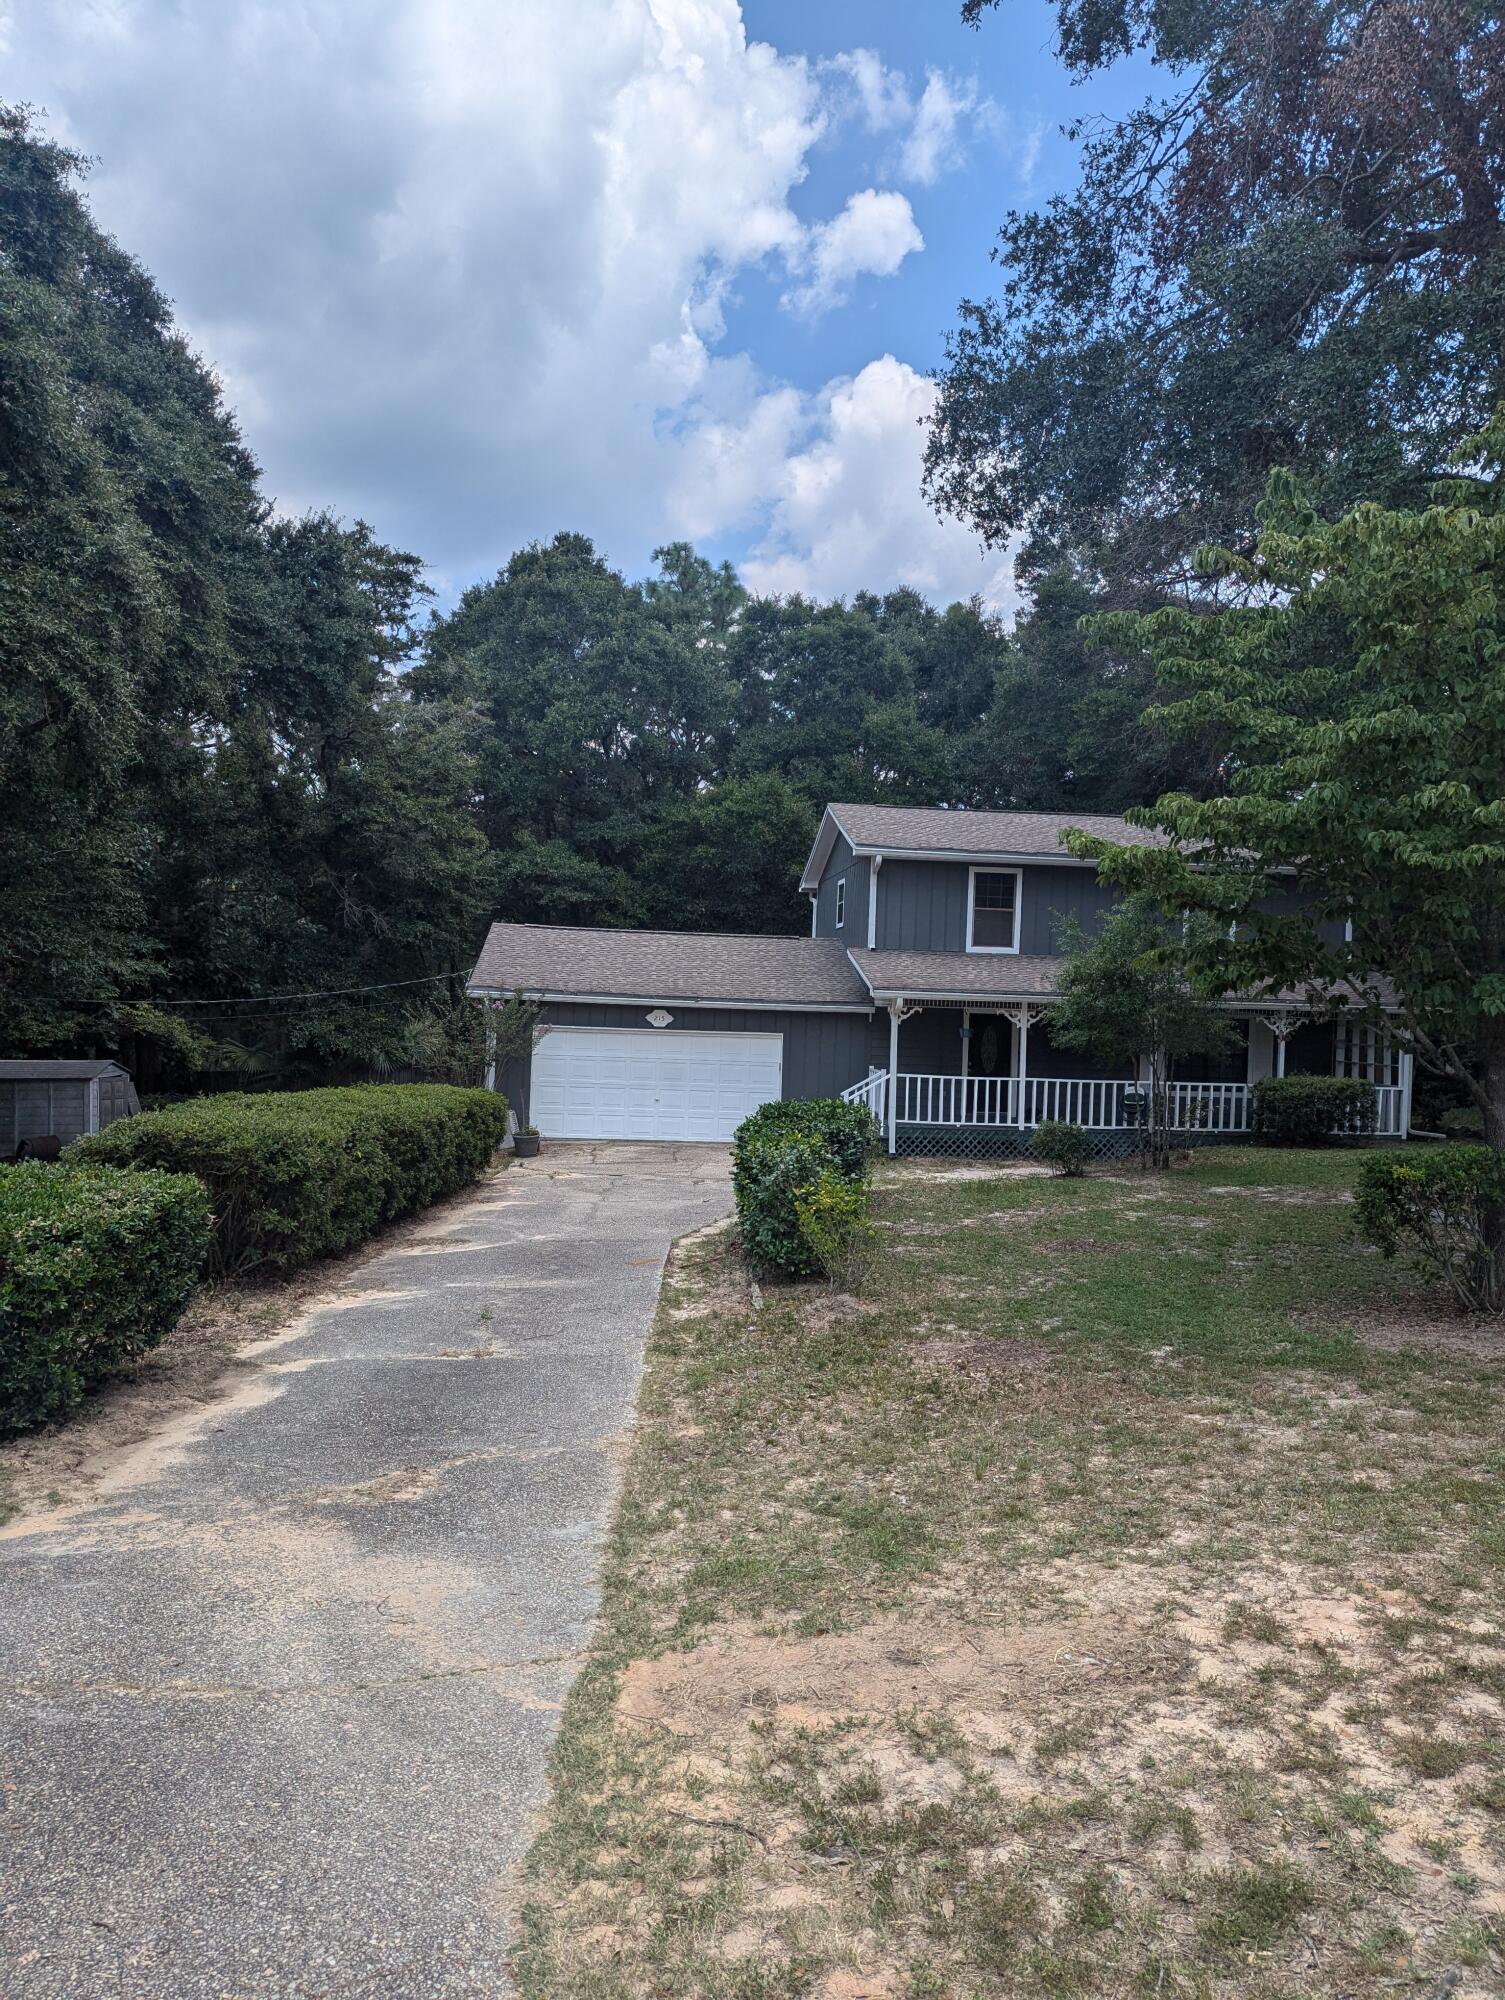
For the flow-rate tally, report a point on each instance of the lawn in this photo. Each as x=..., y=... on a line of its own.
x=1109, y=1601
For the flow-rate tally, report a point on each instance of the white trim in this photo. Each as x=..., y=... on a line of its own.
x=1005, y=858
x=839, y=899
x=743, y=1034
x=997, y=950
x=820, y=853
x=671, y=1000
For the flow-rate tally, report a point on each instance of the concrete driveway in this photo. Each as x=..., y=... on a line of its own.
x=277, y=1702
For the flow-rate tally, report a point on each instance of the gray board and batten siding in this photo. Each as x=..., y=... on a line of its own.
x=823, y=1052
x=842, y=865
x=922, y=905
x=61, y=1099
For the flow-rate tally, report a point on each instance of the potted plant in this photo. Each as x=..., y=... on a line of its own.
x=525, y=1141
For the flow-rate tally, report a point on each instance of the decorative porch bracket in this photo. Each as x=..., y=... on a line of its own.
x=1282, y=1025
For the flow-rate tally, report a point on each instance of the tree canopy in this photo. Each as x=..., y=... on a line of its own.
x=1292, y=255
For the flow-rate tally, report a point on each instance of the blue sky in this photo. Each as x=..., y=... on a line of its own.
x=651, y=269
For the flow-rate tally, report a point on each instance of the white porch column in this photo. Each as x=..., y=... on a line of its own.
x=1280, y=1055
x=1407, y=1074
x=1023, y=1066
x=895, y=1008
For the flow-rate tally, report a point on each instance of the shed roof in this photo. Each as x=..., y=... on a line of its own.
x=705, y=966
x=48, y=1069
x=1011, y=836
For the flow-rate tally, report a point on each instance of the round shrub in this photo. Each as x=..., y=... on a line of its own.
x=1438, y=1203
x=96, y=1265
x=850, y=1131
x=1313, y=1110
x=1060, y=1144
x=837, y=1226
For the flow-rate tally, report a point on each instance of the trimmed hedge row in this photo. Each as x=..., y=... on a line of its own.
x=95, y=1268
x=1313, y=1110
x=295, y=1175
x=781, y=1151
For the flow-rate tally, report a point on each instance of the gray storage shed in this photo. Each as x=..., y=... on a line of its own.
x=42, y=1098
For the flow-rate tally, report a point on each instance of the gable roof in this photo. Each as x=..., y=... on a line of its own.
x=940, y=830
x=705, y=966
x=55, y=1069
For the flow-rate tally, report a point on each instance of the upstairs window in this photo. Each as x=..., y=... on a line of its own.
x=993, y=911
x=841, y=901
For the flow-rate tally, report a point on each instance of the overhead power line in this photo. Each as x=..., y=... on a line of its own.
x=270, y=999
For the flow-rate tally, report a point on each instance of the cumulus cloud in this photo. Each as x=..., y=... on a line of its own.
x=874, y=233
x=466, y=270
x=848, y=508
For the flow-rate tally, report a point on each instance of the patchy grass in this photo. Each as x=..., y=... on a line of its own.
x=1110, y=1601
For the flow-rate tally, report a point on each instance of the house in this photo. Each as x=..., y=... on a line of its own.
x=924, y=989
x=52, y=1098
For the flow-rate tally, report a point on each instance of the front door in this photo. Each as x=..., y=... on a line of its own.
x=990, y=1046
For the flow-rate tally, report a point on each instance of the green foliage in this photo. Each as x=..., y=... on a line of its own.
x=95, y=1267
x=1361, y=704
x=849, y=1130
x=1311, y=209
x=1441, y=1204
x=1313, y=1110
x=1058, y=1143
x=1127, y=999
x=781, y=1152
x=296, y=1175
x=836, y=1223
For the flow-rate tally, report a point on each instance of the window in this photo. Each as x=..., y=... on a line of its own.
x=993, y=914
x=841, y=901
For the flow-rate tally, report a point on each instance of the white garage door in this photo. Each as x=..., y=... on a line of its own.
x=651, y=1083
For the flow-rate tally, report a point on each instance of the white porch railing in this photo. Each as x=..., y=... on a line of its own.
x=1100, y=1104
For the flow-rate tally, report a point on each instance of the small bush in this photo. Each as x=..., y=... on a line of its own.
x=835, y=1221
x=850, y=1131
x=1313, y=1110
x=95, y=1268
x=1060, y=1144
x=1435, y=1204
x=768, y=1177
x=295, y=1175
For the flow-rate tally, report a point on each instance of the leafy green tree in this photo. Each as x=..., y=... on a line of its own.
x=729, y=859
x=1360, y=698
x=1294, y=255
x=1127, y=998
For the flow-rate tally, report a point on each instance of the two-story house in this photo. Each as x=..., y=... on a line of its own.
x=924, y=989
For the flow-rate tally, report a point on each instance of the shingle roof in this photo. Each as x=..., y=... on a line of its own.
x=53, y=1069
x=984, y=975
x=961, y=832
x=667, y=965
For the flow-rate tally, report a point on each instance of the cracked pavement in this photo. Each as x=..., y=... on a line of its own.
x=278, y=1699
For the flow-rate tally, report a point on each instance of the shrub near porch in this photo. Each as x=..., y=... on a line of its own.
x=1109, y=1602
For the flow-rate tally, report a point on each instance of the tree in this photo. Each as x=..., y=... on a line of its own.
x=1294, y=257
x=1360, y=849
x=1126, y=997
x=729, y=859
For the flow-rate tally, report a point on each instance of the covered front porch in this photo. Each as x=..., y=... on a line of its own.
x=975, y=1077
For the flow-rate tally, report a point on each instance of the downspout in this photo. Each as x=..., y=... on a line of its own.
x=490, y=1047
x=872, y=901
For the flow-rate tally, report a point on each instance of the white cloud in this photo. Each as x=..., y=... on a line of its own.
x=847, y=506
x=934, y=140
x=465, y=270
x=874, y=233
x=882, y=94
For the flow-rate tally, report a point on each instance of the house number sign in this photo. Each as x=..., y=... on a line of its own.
x=660, y=1018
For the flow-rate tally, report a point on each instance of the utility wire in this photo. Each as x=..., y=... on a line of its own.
x=271, y=999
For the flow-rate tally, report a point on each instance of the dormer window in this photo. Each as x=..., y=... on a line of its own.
x=841, y=901
x=993, y=910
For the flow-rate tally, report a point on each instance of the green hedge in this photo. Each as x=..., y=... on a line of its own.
x=1438, y=1203
x=782, y=1150
x=95, y=1267
x=295, y=1175
x=1313, y=1110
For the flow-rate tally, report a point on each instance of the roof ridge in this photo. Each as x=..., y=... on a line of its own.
x=641, y=931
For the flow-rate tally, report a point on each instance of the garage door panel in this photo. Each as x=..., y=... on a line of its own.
x=604, y=1083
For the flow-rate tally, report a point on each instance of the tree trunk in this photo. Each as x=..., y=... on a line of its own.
x=1493, y=1079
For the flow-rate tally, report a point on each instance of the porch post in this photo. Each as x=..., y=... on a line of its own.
x=1280, y=1054
x=1023, y=1061
x=893, y=1067
x=1407, y=1071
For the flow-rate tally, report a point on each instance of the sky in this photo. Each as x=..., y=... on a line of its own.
x=477, y=271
